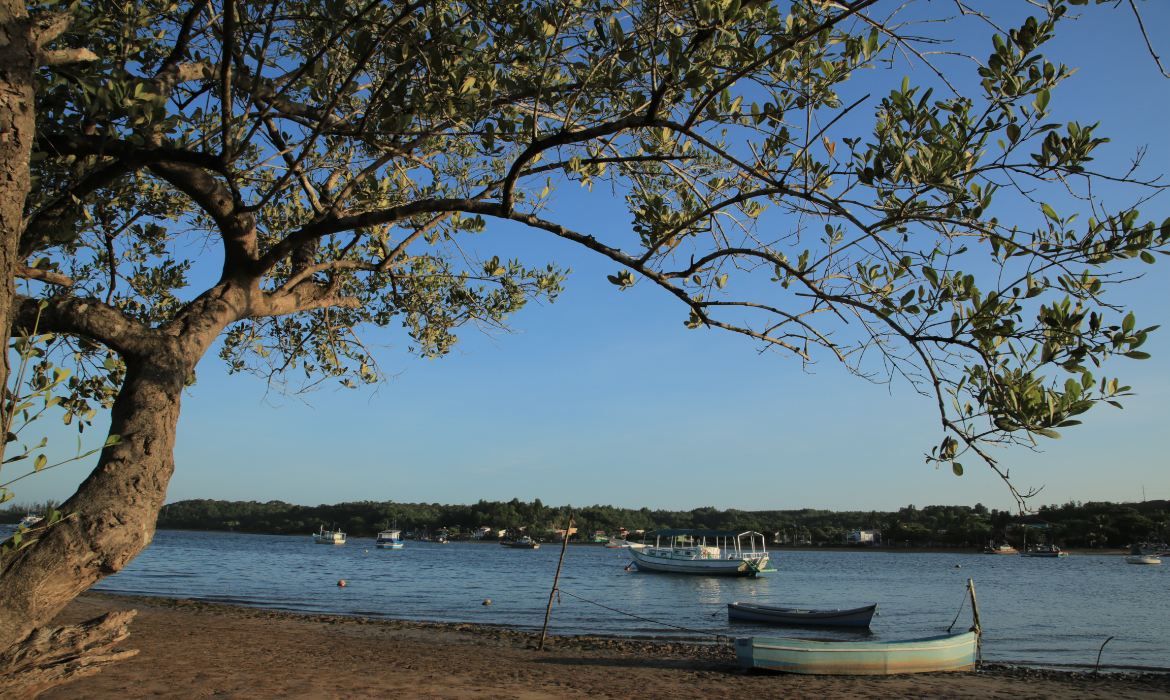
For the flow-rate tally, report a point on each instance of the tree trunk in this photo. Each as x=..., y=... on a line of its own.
x=113, y=511
x=17, y=129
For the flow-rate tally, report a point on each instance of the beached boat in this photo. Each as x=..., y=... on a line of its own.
x=1049, y=551
x=390, y=539
x=855, y=617
x=1142, y=559
x=329, y=536
x=702, y=552
x=949, y=652
x=525, y=542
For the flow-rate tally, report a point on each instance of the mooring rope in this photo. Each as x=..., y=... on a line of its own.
x=717, y=635
x=961, y=604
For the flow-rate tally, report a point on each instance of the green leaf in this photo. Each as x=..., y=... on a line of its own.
x=957, y=468
x=1047, y=433
x=40, y=463
x=1137, y=355
x=1049, y=211
x=1128, y=324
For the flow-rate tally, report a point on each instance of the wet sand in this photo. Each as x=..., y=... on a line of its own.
x=191, y=649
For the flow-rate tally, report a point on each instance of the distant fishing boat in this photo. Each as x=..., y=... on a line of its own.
x=329, y=536
x=949, y=652
x=855, y=617
x=1142, y=559
x=390, y=539
x=702, y=552
x=524, y=542
x=1049, y=551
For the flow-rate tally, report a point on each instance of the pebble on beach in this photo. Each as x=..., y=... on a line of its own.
x=341, y=582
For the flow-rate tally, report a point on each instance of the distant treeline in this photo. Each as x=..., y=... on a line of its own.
x=1074, y=524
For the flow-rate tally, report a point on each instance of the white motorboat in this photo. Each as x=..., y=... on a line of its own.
x=329, y=536
x=1142, y=559
x=29, y=520
x=614, y=543
x=702, y=552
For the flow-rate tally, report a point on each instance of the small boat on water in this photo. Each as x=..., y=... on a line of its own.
x=1001, y=549
x=524, y=542
x=1142, y=559
x=390, y=539
x=702, y=552
x=614, y=543
x=1049, y=551
x=329, y=536
x=29, y=520
x=948, y=652
x=855, y=617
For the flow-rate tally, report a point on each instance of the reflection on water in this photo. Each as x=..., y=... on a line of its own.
x=1045, y=611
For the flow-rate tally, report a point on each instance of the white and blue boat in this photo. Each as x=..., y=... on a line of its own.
x=948, y=652
x=703, y=553
x=390, y=539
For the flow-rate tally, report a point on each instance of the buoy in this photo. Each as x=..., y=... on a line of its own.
x=341, y=582
x=487, y=602
x=958, y=566
x=367, y=551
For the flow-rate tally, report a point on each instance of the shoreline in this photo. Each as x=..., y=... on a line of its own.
x=192, y=648
x=771, y=548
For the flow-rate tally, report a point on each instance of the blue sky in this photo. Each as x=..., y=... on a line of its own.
x=604, y=397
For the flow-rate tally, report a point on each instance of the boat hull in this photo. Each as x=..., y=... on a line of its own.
x=929, y=655
x=322, y=540
x=1146, y=559
x=856, y=617
x=390, y=545
x=1044, y=555
x=697, y=567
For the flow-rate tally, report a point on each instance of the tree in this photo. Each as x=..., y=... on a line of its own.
x=341, y=157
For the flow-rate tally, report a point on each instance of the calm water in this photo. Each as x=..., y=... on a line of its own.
x=1038, y=611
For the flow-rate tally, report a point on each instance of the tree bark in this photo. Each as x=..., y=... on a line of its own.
x=50, y=657
x=18, y=60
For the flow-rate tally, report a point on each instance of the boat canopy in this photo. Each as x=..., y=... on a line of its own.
x=701, y=533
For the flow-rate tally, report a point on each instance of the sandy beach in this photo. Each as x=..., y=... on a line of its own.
x=191, y=649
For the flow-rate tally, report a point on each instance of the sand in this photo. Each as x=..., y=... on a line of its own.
x=191, y=649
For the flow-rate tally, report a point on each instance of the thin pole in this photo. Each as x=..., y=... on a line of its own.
x=556, y=580
x=975, y=613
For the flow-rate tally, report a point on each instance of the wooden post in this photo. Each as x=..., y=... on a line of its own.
x=556, y=580
x=978, y=627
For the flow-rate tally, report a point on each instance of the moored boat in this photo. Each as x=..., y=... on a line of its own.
x=614, y=543
x=329, y=536
x=1142, y=559
x=525, y=542
x=29, y=520
x=390, y=539
x=1001, y=549
x=855, y=617
x=702, y=552
x=1049, y=551
x=948, y=652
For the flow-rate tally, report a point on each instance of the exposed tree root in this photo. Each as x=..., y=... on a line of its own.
x=51, y=656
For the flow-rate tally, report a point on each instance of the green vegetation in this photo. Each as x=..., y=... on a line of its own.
x=1076, y=524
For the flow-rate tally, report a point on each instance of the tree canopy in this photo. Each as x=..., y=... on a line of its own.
x=340, y=162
